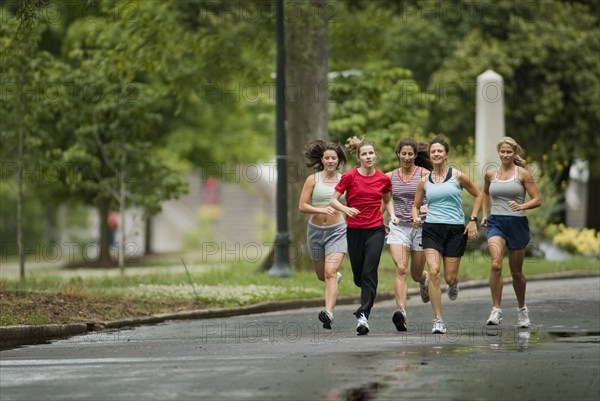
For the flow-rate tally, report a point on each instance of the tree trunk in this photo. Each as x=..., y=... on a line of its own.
x=306, y=107
x=20, y=240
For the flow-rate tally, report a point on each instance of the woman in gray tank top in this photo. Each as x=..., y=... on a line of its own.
x=507, y=225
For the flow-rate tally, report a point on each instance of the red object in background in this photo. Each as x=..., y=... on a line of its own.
x=210, y=191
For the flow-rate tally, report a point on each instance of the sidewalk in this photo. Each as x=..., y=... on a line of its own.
x=15, y=336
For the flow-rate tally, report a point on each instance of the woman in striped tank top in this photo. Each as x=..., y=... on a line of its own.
x=507, y=225
x=404, y=239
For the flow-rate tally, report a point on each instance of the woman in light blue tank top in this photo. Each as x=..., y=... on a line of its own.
x=507, y=226
x=444, y=232
x=326, y=231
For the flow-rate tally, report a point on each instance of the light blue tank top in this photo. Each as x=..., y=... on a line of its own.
x=502, y=191
x=444, y=201
x=322, y=192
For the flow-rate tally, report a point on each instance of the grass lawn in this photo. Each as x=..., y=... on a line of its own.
x=164, y=286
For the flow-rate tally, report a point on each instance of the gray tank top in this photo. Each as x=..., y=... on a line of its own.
x=502, y=191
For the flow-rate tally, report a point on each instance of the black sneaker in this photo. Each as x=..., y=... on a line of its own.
x=399, y=320
x=326, y=318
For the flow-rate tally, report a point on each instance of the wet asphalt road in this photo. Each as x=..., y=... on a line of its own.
x=289, y=356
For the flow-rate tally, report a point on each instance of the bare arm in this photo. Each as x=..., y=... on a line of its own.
x=383, y=205
x=335, y=203
x=485, y=199
x=466, y=183
x=532, y=190
x=419, y=195
x=389, y=206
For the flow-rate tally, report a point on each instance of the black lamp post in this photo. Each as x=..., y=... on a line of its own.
x=281, y=263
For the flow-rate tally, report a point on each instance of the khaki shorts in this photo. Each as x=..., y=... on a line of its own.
x=407, y=236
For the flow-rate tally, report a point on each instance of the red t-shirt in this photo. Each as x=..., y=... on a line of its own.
x=365, y=194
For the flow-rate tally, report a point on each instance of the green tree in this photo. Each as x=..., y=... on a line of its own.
x=115, y=128
x=27, y=107
x=381, y=105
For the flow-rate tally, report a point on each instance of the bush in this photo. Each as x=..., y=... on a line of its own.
x=583, y=242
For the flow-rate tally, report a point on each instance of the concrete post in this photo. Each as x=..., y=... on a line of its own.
x=489, y=123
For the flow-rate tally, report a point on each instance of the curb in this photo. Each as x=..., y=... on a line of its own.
x=15, y=336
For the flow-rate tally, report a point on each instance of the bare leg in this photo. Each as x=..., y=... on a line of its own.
x=417, y=266
x=332, y=264
x=451, y=265
x=519, y=282
x=496, y=246
x=400, y=255
x=319, y=266
x=434, y=259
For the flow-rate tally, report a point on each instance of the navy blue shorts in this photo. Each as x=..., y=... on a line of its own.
x=449, y=239
x=513, y=229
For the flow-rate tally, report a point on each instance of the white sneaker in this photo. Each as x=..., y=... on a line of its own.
x=452, y=291
x=438, y=327
x=326, y=318
x=339, y=277
x=362, y=326
x=424, y=289
x=495, y=317
x=523, y=318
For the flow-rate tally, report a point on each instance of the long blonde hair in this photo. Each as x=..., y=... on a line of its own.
x=519, y=161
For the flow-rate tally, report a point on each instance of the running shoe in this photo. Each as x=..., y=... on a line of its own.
x=362, y=326
x=452, y=291
x=326, y=318
x=495, y=317
x=438, y=327
x=399, y=320
x=523, y=318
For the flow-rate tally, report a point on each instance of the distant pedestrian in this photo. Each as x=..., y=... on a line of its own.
x=113, y=227
x=326, y=231
x=444, y=233
x=507, y=225
x=365, y=187
x=404, y=239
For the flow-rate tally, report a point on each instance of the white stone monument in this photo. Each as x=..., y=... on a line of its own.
x=489, y=121
x=576, y=195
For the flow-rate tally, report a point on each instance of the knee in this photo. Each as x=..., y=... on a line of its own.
x=496, y=267
x=331, y=274
x=517, y=276
x=434, y=275
x=401, y=271
x=320, y=275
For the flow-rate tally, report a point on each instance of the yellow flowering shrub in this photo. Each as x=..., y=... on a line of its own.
x=584, y=242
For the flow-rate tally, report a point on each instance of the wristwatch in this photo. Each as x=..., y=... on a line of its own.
x=473, y=218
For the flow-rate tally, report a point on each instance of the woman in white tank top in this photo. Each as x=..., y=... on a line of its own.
x=326, y=231
x=507, y=226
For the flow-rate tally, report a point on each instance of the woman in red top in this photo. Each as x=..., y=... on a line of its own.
x=365, y=188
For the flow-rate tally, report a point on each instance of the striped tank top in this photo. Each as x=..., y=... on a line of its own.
x=403, y=194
